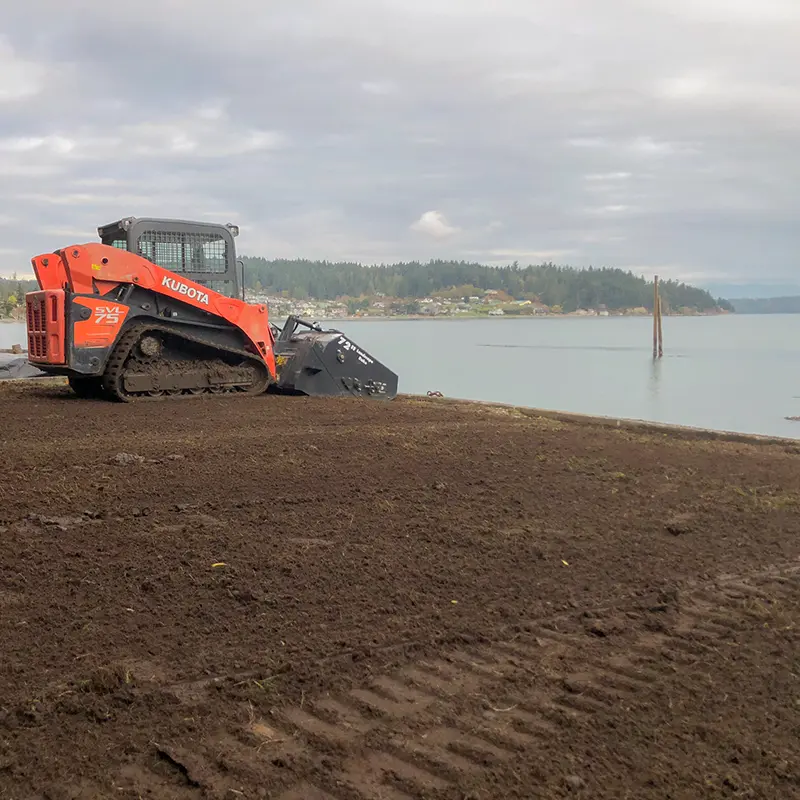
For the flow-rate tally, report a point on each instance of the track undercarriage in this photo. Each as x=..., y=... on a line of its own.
x=152, y=361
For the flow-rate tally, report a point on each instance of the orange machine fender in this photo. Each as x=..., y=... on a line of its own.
x=90, y=263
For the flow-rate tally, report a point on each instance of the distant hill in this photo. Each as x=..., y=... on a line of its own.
x=566, y=287
x=767, y=305
x=756, y=291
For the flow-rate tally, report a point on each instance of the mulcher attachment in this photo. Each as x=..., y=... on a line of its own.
x=317, y=362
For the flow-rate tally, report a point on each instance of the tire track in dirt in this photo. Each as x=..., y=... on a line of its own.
x=430, y=726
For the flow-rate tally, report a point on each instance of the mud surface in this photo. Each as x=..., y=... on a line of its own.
x=285, y=598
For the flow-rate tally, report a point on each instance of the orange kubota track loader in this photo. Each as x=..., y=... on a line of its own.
x=154, y=310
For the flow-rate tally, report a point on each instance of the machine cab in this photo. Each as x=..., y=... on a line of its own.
x=204, y=252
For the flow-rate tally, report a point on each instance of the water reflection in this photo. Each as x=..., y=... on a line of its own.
x=564, y=347
x=654, y=384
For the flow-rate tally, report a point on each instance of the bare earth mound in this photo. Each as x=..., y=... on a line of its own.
x=306, y=600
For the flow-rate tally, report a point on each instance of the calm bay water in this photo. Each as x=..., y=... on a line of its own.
x=736, y=373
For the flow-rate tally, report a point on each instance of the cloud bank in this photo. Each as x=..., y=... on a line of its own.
x=657, y=137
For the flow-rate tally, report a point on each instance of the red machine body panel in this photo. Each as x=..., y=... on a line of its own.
x=91, y=264
x=89, y=272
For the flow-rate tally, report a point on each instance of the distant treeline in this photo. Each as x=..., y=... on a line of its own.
x=767, y=305
x=12, y=294
x=552, y=285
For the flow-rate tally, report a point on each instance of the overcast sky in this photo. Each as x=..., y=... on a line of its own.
x=654, y=135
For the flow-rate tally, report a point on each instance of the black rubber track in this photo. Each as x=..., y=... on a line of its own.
x=114, y=377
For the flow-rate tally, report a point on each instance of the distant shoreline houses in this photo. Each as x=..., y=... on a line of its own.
x=492, y=304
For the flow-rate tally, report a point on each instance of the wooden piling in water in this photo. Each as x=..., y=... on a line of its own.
x=658, y=347
x=660, y=333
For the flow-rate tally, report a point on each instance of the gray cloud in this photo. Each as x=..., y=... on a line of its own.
x=633, y=133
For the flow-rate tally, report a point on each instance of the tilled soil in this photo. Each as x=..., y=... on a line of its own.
x=329, y=599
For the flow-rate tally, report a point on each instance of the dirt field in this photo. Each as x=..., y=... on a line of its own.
x=307, y=600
